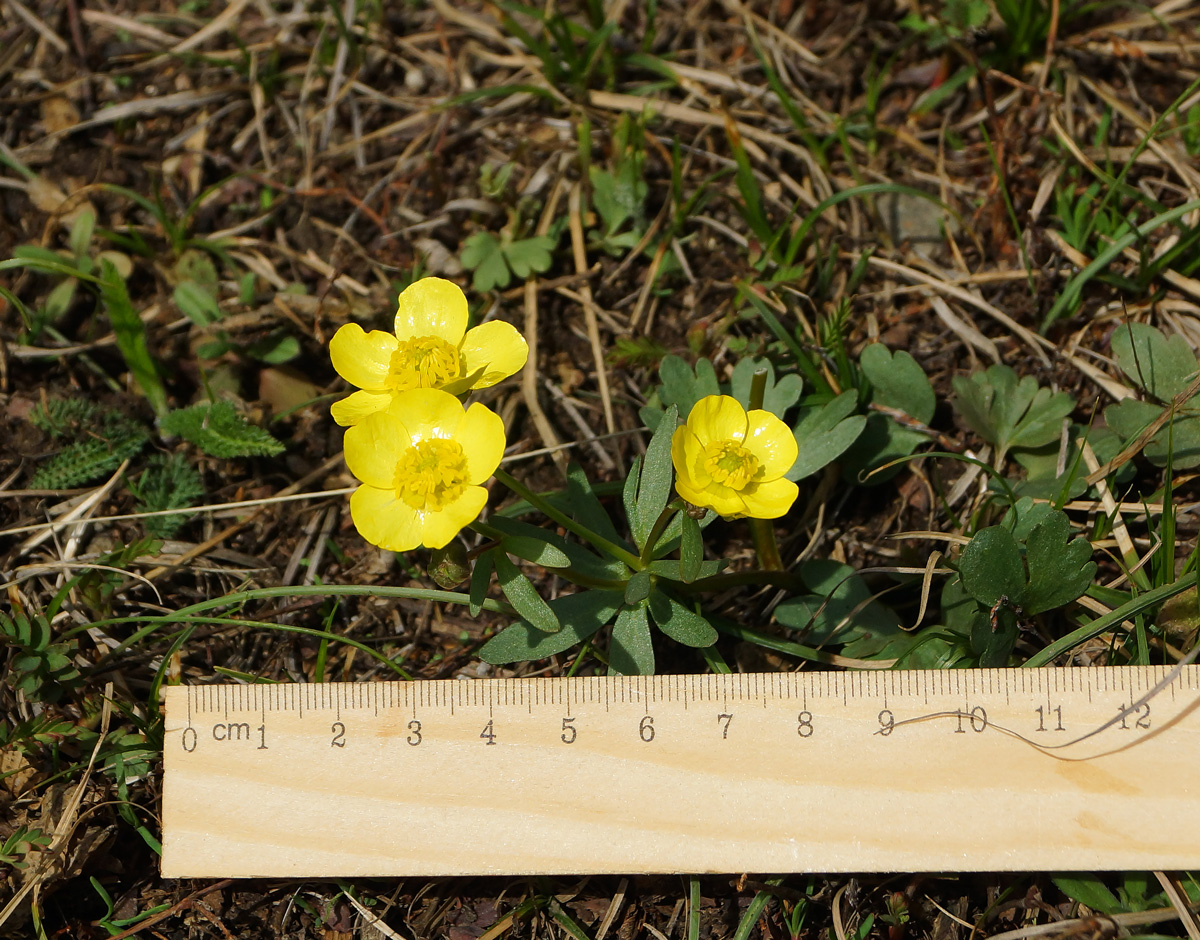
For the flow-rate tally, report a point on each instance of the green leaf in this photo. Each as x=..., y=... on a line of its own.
x=654, y=483
x=81, y=233
x=586, y=506
x=196, y=303
x=898, y=382
x=823, y=433
x=840, y=610
x=991, y=568
x=1059, y=570
x=778, y=397
x=1160, y=365
x=683, y=387
x=524, y=596
x=637, y=589
x=993, y=635
x=631, y=650
x=536, y=550
x=482, y=254
x=218, y=430
x=130, y=334
x=530, y=255
x=1088, y=889
x=691, y=550
x=168, y=482
x=581, y=615
x=680, y=623
x=481, y=578
x=1009, y=413
x=1178, y=439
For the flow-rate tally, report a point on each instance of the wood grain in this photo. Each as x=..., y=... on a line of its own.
x=880, y=771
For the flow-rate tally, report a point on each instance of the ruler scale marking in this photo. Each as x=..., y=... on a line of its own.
x=805, y=771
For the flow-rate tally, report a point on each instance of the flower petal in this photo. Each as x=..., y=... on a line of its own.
x=718, y=418
x=769, y=500
x=494, y=349
x=720, y=499
x=427, y=413
x=432, y=306
x=362, y=359
x=385, y=521
x=773, y=443
x=374, y=447
x=438, y=528
x=688, y=457
x=359, y=406
x=481, y=436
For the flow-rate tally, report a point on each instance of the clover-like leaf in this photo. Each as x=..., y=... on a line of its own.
x=778, y=396
x=1160, y=365
x=1007, y=412
x=529, y=255
x=1177, y=440
x=898, y=382
x=991, y=567
x=483, y=254
x=1060, y=569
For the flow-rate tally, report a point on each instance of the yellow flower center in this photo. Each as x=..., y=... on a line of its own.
x=728, y=462
x=431, y=475
x=422, y=362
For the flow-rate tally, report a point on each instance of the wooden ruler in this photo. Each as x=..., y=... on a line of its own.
x=1001, y=769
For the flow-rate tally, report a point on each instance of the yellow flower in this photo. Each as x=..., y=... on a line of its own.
x=733, y=461
x=431, y=348
x=421, y=461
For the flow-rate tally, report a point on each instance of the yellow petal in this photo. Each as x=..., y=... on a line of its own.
x=359, y=406
x=385, y=521
x=769, y=500
x=432, y=306
x=688, y=457
x=773, y=443
x=438, y=528
x=362, y=359
x=720, y=499
x=495, y=350
x=718, y=418
x=374, y=447
x=427, y=413
x=481, y=436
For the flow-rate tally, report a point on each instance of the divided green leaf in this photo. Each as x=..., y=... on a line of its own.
x=218, y=430
x=1007, y=412
x=524, y=596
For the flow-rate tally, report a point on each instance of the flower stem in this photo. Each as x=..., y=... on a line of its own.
x=593, y=538
x=763, y=530
x=656, y=530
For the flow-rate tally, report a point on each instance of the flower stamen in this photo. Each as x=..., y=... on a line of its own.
x=422, y=362
x=729, y=463
x=431, y=474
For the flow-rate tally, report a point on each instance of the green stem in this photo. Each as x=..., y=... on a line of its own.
x=593, y=538
x=763, y=530
x=296, y=590
x=716, y=662
x=656, y=530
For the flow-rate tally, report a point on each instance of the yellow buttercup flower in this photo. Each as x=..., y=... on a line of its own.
x=431, y=348
x=733, y=461
x=421, y=460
